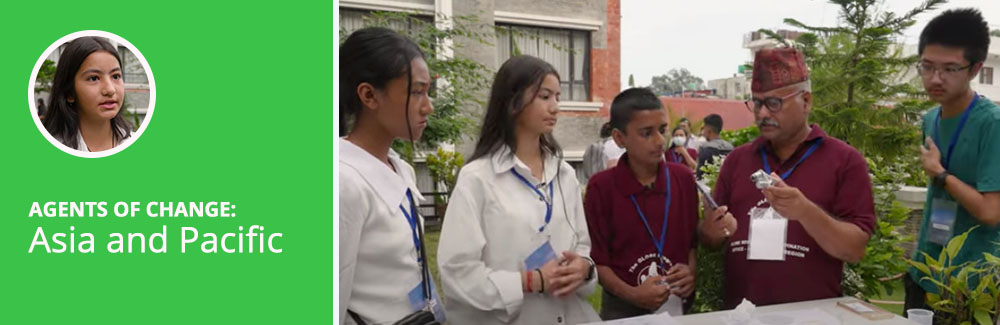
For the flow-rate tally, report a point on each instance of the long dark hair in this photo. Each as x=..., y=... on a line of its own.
x=62, y=119
x=374, y=55
x=517, y=76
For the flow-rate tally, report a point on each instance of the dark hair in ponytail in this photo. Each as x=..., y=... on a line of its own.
x=374, y=55
x=62, y=119
x=517, y=76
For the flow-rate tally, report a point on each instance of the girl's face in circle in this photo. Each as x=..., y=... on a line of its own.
x=98, y=87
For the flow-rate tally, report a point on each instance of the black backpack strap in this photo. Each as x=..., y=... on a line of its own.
x=357, y=318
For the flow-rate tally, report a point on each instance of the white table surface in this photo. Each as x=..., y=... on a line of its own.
x=827, y=305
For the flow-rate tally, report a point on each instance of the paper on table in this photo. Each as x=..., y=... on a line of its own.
x=767, y=239
x=814, y=316
x=656, y=319
x=674, y=306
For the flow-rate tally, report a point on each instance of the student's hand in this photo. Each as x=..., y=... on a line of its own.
x=786, y=200
x=549, y=273
x=719, y=223
x=930, y=157
x=651, y=294
x=681, y=280
x=570, y=274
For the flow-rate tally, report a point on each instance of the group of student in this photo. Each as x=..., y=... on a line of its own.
x=520, y=245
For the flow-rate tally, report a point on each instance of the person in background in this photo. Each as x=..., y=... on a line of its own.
x=713, y=145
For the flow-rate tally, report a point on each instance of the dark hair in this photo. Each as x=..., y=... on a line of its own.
x=682, y=120
x=679, y=128
x=62, y=119
x=516, y=77
x=713, y=122
x=606, y=130
x=374, y=55
x=629, y=101
x=963, y=28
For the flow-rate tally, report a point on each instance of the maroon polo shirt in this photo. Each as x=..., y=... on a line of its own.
x=675, y=158
x=834, y=177
x=618, y=237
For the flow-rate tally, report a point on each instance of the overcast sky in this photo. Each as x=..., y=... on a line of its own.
x=706, y=36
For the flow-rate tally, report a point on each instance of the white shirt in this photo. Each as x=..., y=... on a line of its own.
x=611, y=150
x=378, y=260
x=82, y=145
x=488, y=231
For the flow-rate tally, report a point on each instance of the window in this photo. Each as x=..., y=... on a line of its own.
x=567, y=50
x=352, y=20
x=986, y=76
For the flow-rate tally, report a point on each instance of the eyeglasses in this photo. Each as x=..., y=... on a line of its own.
x=951, y=71
x=773, y=103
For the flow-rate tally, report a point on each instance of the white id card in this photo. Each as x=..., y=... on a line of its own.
x=767, y=239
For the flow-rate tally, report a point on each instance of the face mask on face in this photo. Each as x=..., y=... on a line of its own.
x=679, y=141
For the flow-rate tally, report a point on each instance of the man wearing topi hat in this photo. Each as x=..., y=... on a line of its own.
x=819, y=192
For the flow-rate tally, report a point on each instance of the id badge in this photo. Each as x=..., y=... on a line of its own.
x=543, y=254
x=767, y=239
x=417, y=301
x=943, y=213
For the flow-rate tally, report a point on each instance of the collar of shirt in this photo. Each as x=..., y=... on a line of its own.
x=814, y=134
x=627, y=184
x=390, y=186
x=82, y=145
x=503, y=160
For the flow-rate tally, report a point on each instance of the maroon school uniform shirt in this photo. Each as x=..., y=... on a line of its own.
x=834, y=177
x=619, y=239
x=676, y=158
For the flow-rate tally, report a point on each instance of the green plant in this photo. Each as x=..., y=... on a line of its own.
x=45, y=75
x=740, y=136
x=710, y=274
x=883, y=258
x=444, y=166
x=965, y=293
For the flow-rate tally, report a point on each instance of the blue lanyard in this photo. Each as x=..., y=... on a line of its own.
x=767, y=166
x=677, y=157
x=954, y=136
x=548, y=202
x=412, y=219
x=666, y=217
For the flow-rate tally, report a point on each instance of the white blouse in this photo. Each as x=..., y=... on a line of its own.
x=378, y=260
x=492, y=225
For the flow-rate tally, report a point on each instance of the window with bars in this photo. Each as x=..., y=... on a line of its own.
x=352, y=20
x=567, y=50
x=986, y=76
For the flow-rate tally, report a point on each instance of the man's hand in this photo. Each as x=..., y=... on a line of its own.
x=930, y=157
x=788, y=201
x=718, y=223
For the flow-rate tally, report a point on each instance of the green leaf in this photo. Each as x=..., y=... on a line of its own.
x=920, y=267
x=955, y=244
x=983, y=317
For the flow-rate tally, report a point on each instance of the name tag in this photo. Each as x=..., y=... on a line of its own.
x=543, y=254
x=943, y=213
x=767, y=239
x=417, y=301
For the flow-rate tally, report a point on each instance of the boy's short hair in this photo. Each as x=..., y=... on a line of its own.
x=629, y=101
x=713, y=122
x=961, y=28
